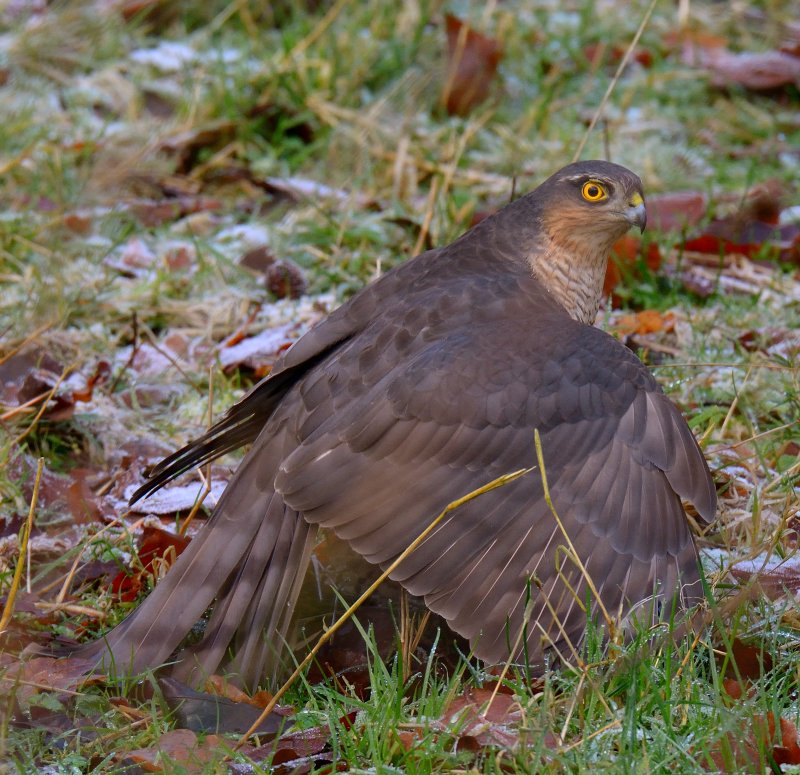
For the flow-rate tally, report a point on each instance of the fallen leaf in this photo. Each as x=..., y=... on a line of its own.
x=775, y=576
x=259, y=352
x=187, y=145
x=100, y=375
x=303, y=189
x=180, y=257
x=755, y=70
x=155, y=212
x=158, y=550
x=676, y=210
x=472, y=66
x=753, y=230
x=27, y=677
x=258, y=259
x=648, y=321
x=483, y=718
x=178, y=746
x=210, y=712
x=134, y=259
x=78, y=223
x=758, y=71
x=745, y=750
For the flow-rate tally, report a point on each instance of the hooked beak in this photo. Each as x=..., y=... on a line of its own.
x=636, y=214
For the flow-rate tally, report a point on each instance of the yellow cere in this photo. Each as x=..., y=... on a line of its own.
x=636, y=200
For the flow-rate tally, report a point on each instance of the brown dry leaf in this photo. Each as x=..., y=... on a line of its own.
x=745, y=751
x=217, y=684
x=78, y=223
x=258, y=259
x=26, y=678
x=131, y=712
x=100, y=376
x=483, y=718
x=298, y=752
x=259, y=352
x=29, y=376
x=134, y=259
x=775, y=578
x=749, y=663
x=758, y=71
x=179, y=746
x=472, y=66
x=180, y=258
x=729, y=236
x=15, y=370
x=753, y=227
x=155, y=212
x=676, y=210
x=210, y=712
x=70, y=492
x=772, y=340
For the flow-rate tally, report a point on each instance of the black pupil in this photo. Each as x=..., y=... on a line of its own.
x=593, y=191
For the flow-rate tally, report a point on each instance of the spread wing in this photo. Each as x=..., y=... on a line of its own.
x=383, y=448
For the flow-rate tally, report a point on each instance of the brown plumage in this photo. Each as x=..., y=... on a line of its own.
x=424, y=386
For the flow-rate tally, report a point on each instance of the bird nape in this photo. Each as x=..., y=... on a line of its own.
x=424, y=386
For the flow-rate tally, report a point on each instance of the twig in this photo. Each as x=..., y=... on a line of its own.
x=23, y=408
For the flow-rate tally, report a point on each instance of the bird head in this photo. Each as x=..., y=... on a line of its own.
x=578, y=214
x=597, y=200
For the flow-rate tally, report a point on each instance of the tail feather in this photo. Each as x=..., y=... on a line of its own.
x=272, y=608
x=155, y=629
x=250, y=558
x=253, y=611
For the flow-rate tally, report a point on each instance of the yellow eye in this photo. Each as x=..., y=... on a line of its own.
x=593, y=191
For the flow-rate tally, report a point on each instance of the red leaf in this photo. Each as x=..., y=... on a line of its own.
x=751, y=229
x=156, y=548
x=472, y=66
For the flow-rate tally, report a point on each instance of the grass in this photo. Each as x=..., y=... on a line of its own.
x=347, y=95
